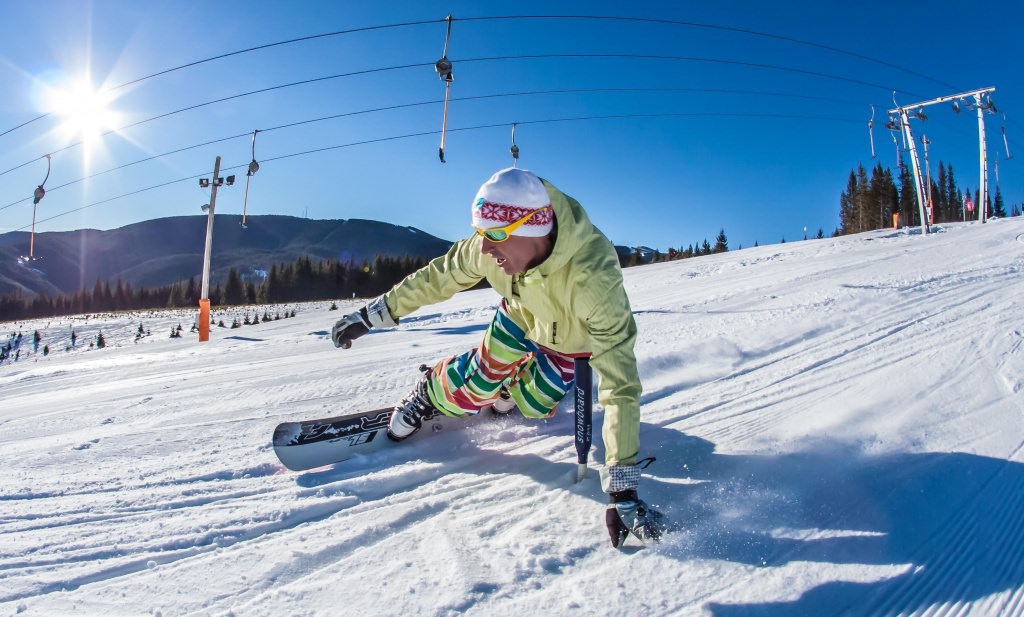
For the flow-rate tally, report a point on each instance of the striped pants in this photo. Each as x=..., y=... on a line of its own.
x=537, y=378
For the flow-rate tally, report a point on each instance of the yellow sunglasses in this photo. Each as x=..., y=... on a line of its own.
x=500, y=234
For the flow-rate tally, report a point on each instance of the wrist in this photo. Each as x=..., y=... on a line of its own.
x=376, y=314
x=621, y=496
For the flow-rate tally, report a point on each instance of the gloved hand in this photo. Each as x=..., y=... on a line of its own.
x=628, y=514
x=352, y=326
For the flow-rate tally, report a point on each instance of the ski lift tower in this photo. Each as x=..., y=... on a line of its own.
x=981, y=100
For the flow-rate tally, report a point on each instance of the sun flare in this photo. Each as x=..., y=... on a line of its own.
x=85, y=111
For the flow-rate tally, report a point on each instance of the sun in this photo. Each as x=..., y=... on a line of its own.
x=83, y=113
x=85, y=110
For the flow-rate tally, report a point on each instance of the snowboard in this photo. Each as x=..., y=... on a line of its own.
x=309, y=444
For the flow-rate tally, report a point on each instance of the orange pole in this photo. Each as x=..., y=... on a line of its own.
x=204, y=321
x=204, y=298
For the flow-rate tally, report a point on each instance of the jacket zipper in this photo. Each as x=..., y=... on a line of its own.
x=554, y=332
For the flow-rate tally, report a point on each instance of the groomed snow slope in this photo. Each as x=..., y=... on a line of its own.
x=838, y=425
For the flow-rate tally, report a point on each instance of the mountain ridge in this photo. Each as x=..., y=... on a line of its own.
x=164, y=251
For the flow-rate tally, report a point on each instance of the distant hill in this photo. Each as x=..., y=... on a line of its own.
x=163, y=251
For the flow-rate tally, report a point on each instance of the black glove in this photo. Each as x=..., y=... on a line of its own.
x=349, y=328
x=628, y=514
x=352, y=326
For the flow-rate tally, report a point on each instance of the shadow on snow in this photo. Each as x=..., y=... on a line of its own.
x=953, y=520
x=951, y=523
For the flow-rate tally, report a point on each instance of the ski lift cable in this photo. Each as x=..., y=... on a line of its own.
x=460, y=129
x=243, y=51
x=569, y=90
x=119, y=167
x=570, y=119
x=110, y=199
x=743, y=31
x=1015, y=123
x=433, y=102
x=481, y=59
x=691, y=24
x=232, y=97
x=636, y=56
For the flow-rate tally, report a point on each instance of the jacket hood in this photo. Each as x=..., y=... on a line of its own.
x=573, y=228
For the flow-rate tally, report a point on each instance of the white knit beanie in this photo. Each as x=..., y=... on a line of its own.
x=510, y=195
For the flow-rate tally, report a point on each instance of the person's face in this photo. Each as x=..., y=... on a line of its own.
x=517, y=254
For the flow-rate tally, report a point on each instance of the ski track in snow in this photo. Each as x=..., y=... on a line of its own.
x=839, y=427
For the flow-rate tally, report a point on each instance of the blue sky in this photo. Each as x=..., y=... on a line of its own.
x=764, y=151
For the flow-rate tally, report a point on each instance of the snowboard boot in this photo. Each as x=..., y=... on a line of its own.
x=415, y=407
x=504, y=405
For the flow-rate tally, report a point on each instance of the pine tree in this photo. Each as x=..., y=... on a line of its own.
x=940, y=194
x=955, y=197
x=861, y=201
x=909, y=212
x=883, y=195
x=176, y=297
x=234, y=292
x=998, y=209
x=847, y=211
x=121, y=293
x=192, y=292
x=96, y=300
x=721, y=242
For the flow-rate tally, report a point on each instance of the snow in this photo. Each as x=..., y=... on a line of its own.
x=838, y=423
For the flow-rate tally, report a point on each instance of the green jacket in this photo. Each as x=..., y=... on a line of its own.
x=574, y=302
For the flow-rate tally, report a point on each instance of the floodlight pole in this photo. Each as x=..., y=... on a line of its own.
x=204, y=302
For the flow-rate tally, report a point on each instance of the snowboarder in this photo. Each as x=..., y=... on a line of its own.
x=562, y=297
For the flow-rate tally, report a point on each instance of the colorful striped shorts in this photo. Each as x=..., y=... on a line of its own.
x=537, y=378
